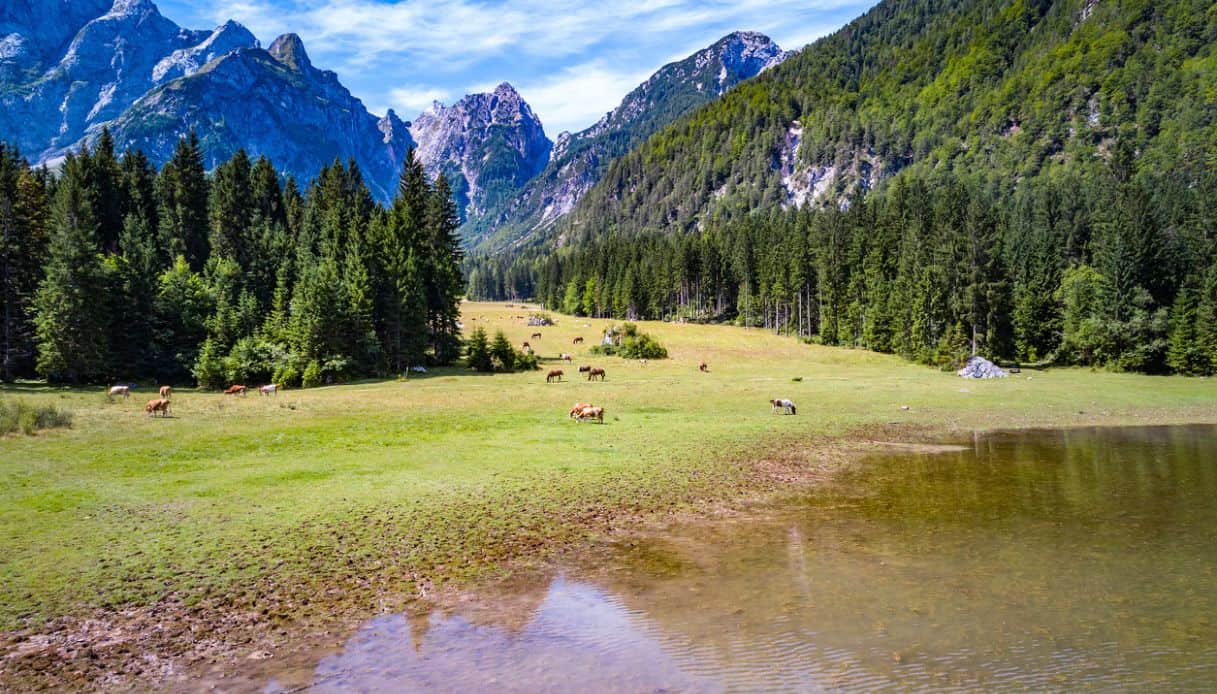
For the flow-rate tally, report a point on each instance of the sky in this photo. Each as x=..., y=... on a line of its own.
x=571, y=61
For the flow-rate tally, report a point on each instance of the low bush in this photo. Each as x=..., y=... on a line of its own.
x=312, y=375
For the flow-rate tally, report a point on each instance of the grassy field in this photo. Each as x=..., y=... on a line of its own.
x=399, y=484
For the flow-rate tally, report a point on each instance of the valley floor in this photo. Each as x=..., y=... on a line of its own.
x=138, y=549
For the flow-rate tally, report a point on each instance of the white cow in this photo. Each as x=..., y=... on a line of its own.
x=786, y=406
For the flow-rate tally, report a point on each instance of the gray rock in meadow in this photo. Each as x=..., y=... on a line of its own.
x=979, y=367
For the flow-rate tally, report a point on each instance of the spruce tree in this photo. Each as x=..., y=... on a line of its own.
x=502, y=354
x=182, y=191
x=183, y=306
x=23, y=240
x=446, y=284
x=231, y=210
x=72, y=328
x=477, y=351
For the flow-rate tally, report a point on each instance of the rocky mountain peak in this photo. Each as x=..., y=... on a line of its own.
x=495, y=131
x=392, y=127
x=128, y=8
x=289, y=50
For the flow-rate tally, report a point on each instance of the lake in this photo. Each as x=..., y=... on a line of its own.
x=1083, y=558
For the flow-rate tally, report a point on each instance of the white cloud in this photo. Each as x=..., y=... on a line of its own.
x=579, y=95
x=445, y=34
x=410, y=100
x=571, y=61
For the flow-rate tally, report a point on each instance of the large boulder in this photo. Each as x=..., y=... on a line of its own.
x=979, y=367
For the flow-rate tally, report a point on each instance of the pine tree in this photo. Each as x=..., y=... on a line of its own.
x=446, y=282
x=231, y=210
x=502, y=354
x=106, y=191
x=23, y=240
x=137, y=269
x=71, y=328
x=477, y=351
x=182, y=191
x=183, y=306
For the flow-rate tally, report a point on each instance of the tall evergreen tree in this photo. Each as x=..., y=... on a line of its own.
x=183, y=212
x=23, y=240
x=72, y=328
x=445, y=283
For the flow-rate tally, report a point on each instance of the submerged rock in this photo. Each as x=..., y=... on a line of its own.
x=979, y=367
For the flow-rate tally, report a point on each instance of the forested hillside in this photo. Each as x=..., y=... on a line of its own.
x=112, y=270
x=1027, y=179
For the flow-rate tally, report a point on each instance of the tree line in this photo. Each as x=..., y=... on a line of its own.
x=113, y=270
x=1111, y=269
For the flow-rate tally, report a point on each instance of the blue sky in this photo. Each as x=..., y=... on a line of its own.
x=571, y=61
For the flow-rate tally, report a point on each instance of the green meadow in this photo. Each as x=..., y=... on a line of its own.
x=451, y=476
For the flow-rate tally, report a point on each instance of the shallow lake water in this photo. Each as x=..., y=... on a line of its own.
x=1047, y=560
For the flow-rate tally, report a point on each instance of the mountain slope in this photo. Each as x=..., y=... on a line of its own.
x=111, y=60
x=580, y=159
x=270, y=102
x=488, y=145
x=1011, y=89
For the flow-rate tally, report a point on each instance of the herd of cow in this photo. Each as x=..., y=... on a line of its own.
x=580, y=412
x=161, y=404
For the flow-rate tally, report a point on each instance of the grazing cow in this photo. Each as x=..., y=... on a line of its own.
x=553, y=375
x=596, y=413
x=236, y=389
x=161, y=405
x=703, y=367
x=577, y=341
x=594, y=373
x=783, y=404
x=564, y=357
x=269, y=389
x=577, y=408
x=584, y=369
x=124, y=391
x=536, y=336
x=526, y=346
x=165, y=392
x=642, y=361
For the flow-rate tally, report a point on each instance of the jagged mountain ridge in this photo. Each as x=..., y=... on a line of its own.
x=110, y=60
x=488, y=145
x=270, y=102
x=70, y=69
x=67, y=70
x=579, y=159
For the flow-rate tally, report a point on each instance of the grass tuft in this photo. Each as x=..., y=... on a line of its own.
x=20, y=415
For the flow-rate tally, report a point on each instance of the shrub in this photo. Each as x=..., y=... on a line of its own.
x=312, y=375
x=30, y=418
x=253, y=360
x=287, y=376
x=642, y=346
x=527, y=362
x=209, y=368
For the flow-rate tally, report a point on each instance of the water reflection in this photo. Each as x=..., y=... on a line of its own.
x=1045, y=560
